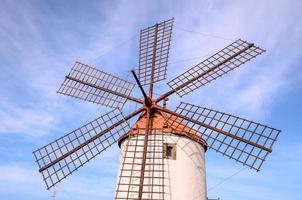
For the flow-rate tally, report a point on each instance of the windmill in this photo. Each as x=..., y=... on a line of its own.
x=162, y=154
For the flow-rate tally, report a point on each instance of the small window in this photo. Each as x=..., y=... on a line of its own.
x=170, y=151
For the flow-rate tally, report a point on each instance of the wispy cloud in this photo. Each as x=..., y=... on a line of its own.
x=14, y=173
x=94, y=182
x=251, y=89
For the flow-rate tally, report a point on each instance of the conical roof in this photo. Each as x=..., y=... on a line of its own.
x=165, y=123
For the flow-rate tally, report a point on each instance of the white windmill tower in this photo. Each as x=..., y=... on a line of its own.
x=163, y=153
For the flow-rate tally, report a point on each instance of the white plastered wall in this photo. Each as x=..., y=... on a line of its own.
x=184, y=177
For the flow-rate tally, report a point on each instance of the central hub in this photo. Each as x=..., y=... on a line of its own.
x=148, y=102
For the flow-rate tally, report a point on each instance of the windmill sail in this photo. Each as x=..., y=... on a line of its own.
x=154, y=51
x=240, y=139
x=93, y=85
x=63, y=156
x=229, y=58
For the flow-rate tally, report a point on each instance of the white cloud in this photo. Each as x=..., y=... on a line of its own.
x=36, y=109
x=32, y=121
x=93, y=182
x=14, y=173
x=252, y=89
x=20, y=180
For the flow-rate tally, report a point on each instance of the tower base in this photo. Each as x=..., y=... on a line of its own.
x=175, y=167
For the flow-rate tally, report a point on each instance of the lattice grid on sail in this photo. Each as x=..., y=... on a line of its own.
x=129, y=177
x=154, y=40
x=91, y=84
x=229, y=58
x=233, y=147
x=77, y=139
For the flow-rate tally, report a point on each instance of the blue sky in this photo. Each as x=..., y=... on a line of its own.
x=40, y=40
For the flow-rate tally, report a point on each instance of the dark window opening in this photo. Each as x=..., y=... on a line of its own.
x=170, y=151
